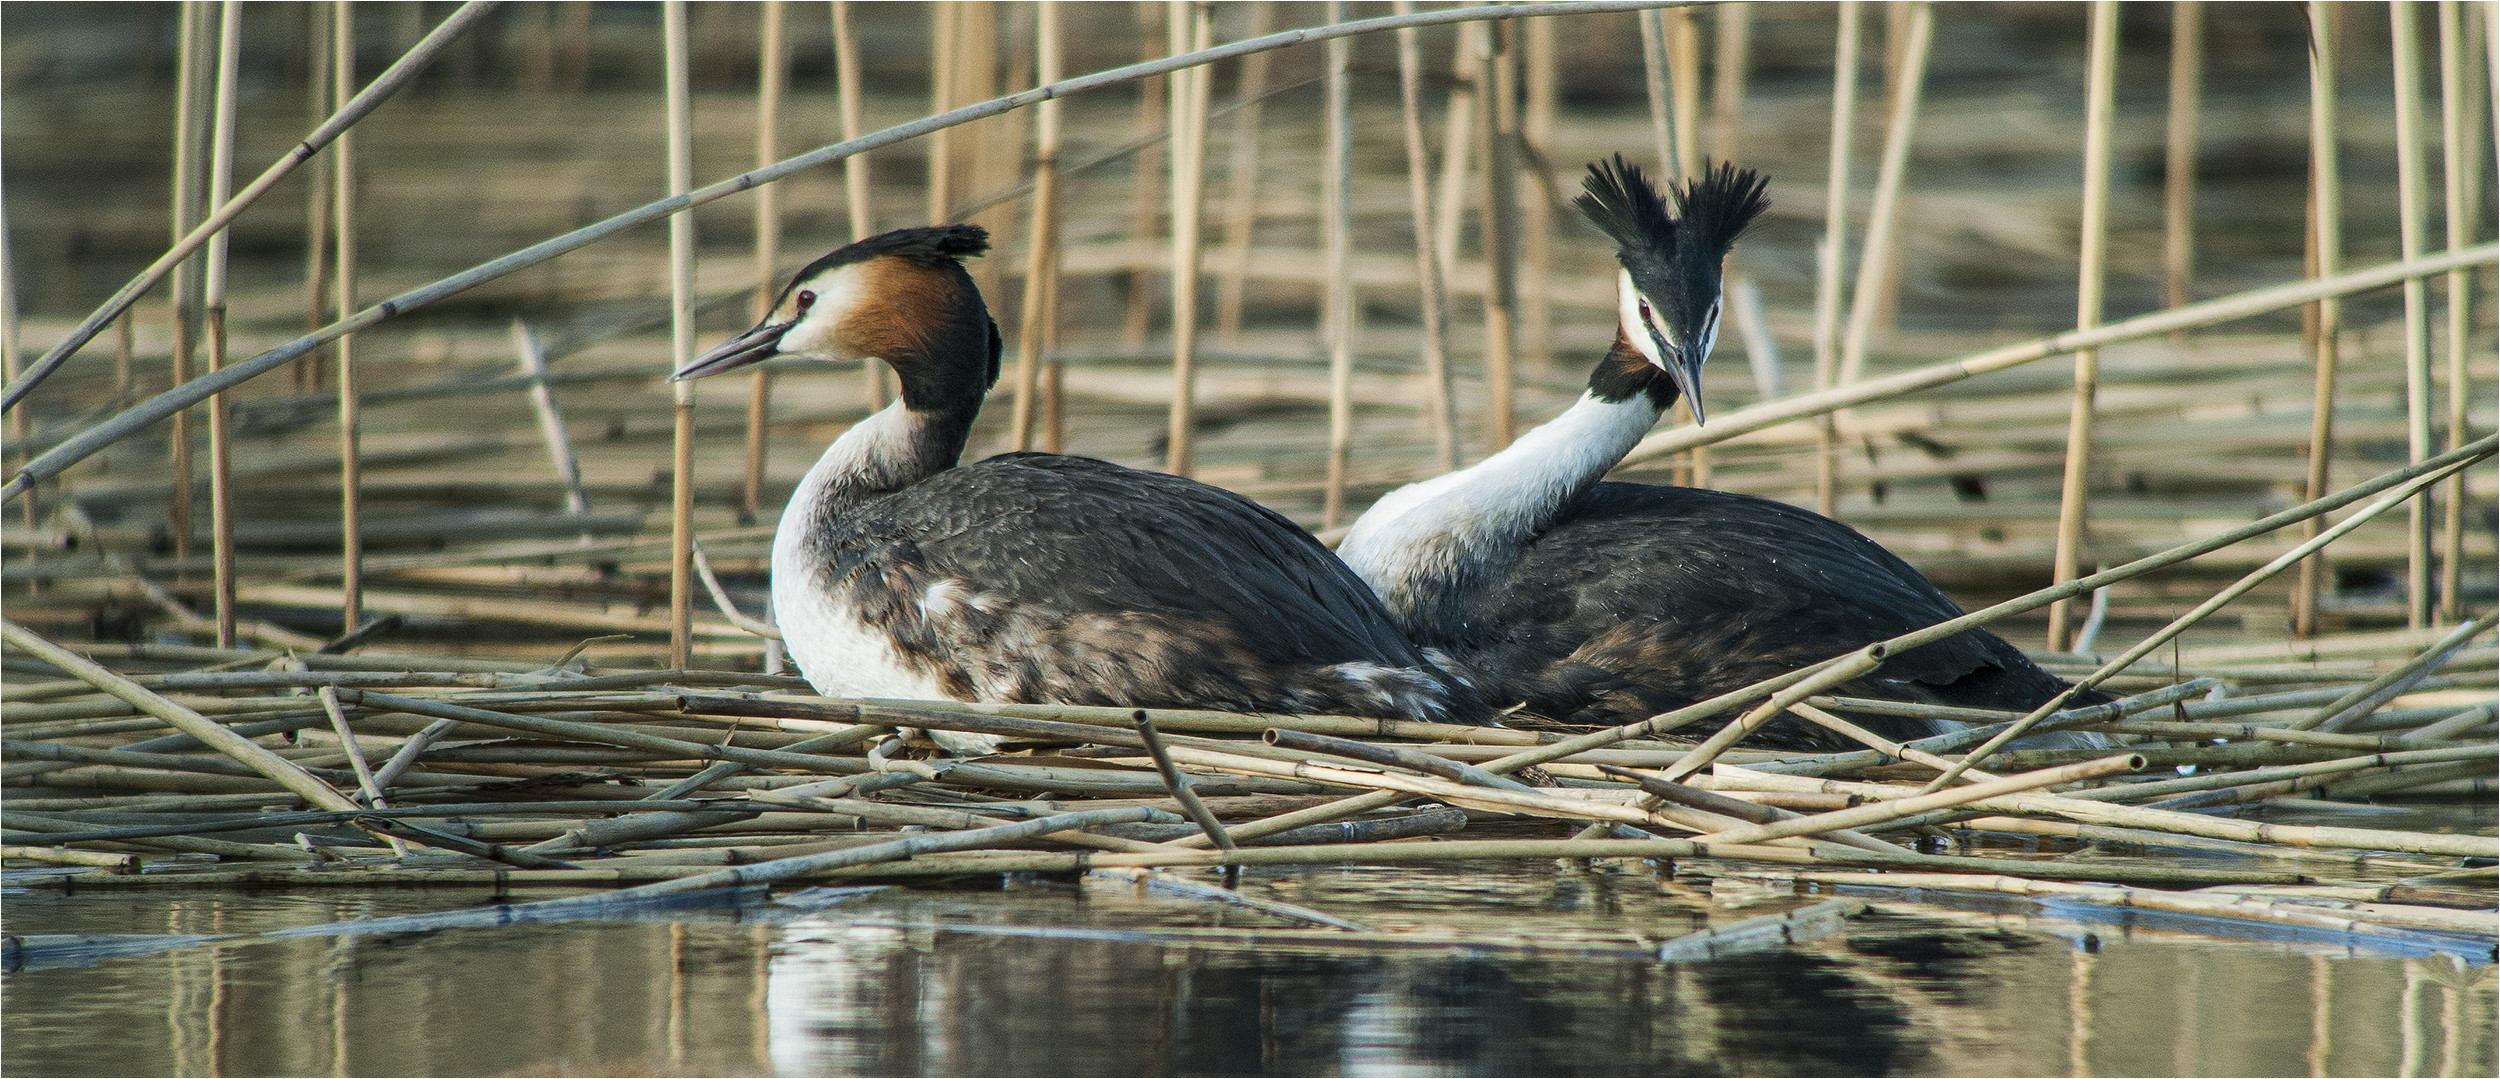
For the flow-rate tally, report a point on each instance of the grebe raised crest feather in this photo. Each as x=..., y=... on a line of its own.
x=1038, y=577
x=1603, y=602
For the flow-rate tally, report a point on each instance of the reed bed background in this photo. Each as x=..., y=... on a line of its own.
x=2058, y=289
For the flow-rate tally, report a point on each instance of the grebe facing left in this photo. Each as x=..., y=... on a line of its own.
x=1037, y=577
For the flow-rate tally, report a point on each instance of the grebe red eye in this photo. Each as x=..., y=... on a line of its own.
x=806, y=300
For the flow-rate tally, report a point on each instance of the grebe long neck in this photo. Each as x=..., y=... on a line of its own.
x=1427, y=548
x=890, y=450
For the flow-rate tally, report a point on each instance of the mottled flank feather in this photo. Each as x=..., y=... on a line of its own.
x=1042, y=578
x=1643, y=599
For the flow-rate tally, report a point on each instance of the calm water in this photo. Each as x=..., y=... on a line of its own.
x=1050, y=978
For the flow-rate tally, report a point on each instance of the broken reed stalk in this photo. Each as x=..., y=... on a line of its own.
x=1439, y=413
x=680, y=105
x=2074, y=492
x=2325, y=315
x=2187, y=61
x=772, y=69
x=1190, y=29
x=1336, y=228
x=1830, y=252
x=213, y=293
x=2457, y=155
x=855, y=196
x=2404, y=40
x=1178, y=784
x=1241, y=180
x=1041, y=266
x=343, y=229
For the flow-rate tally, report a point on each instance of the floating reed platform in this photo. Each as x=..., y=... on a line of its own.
x=456, y=598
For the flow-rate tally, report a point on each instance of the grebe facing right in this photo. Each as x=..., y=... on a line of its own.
x=1607, y=603
x=1036, y=577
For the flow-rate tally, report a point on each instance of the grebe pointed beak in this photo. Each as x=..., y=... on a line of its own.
x=761, y=343
x=1684, y=366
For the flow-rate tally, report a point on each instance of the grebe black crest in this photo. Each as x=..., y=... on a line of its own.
x=1601, y=602
x=1035, y=577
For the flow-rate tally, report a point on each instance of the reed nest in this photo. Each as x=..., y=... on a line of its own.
x=450, y=589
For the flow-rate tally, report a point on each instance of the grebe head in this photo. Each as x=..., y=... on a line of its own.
x=902, y=297
x=1667, y=294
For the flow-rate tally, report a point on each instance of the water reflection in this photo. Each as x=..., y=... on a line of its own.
x=902, y=982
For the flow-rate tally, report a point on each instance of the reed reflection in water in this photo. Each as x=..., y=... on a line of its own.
x=1048, y=981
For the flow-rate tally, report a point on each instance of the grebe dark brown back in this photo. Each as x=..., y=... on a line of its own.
x=1610, y=602
x=1037, y=577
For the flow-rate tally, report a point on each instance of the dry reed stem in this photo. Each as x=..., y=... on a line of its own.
x=1829, y=254
x=1440, y=413
x=863, y=218
x=2457, y=156
x=213, y=293
x=1495, y=72
x=1337, y=311
x=286, y=773
x=1241, y=180
x=1861, y=817
x=2187, y=62
x=1041, y=267
x=2091, y=812
x=772, y=69
x=2325, y=315
x=2404, y=40
x=2075, y=492
x=680, y=166
x=1190, y=30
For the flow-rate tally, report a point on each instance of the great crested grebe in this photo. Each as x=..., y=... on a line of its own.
x=1609, y=602
x=1038, y=577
